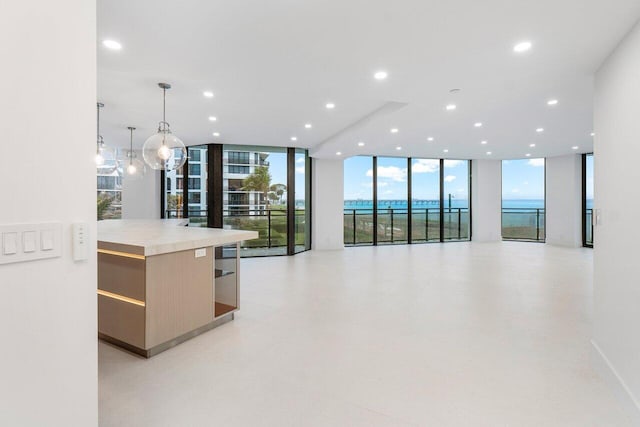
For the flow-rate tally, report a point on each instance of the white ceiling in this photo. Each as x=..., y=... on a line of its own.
x=273, y=65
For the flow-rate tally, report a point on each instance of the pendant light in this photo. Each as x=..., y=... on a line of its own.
x=164, y=150
x=131, y=166
x=105, y=156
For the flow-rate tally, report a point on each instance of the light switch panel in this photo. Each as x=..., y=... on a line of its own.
x=80, y=241
x=30, y=242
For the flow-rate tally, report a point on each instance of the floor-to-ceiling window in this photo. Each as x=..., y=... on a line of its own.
x=587, y=200
x=392, y=212
x=391, y=200
x=302, y=211
x=173, y=197
x=358, y=200
x=245, y=187
x=456, y=210
x=197, y=186
x=109, y=186
x=425, y=200
x=523, y=199
x=255, y=196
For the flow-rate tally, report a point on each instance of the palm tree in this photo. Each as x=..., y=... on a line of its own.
x=259, y=180
x=104, y=202
x=278, y=190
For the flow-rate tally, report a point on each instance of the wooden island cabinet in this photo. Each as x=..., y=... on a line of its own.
x=161, y=283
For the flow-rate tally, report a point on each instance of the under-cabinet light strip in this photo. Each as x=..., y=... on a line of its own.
x=122, y=254
x=121, y=298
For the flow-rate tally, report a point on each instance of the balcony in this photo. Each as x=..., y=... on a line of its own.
x=392, y=225
x=271, y=225
x=523, y=224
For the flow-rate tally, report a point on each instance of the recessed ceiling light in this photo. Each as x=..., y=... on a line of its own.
x=338, y=153
x=445, y=151
x=430, y=139
x=478, y=125
x=451, y=107
x=532, y=145
x=360, y=144
x=308, y=126
x=394, y=130
x=593, y=134
x=213, y=118
x=398, y=148
x=540, y=130
x=216, y=134
x=488, y=153
x=575, y=147
x=528, y=155
x=294, y=138
x=207, y=94
x=522, y=46
x=552, y=102
x=483, y=142
x=111, y=44
x=330, y=106
x=380, y=75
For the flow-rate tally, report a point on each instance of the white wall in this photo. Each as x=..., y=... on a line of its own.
x=486, y=200
x=327, y=204
x=48, y=362
x=141, y=198
x=564, y=200
x=617, y=179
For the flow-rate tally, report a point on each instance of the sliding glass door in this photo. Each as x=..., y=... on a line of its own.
x=523, y=199
x=587, y=200
x=395, y=200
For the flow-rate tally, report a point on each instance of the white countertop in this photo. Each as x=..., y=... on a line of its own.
x=169, y=235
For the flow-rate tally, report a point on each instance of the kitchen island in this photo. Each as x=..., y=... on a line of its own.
x=161, y=283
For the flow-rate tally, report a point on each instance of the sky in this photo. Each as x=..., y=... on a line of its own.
x=278, y=170
x=392, y=178
x=522, y=179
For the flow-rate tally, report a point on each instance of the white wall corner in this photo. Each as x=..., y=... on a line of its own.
x=615, y=285
x=603, y=366
x=327, y=204
x=563, y=200
x=486, y=200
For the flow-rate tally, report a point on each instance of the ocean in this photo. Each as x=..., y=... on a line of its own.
x=424, y=204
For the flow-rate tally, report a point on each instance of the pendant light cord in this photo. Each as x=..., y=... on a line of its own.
x=98, y=137
x=164, y=105
x=163, y=126
x=131, y=147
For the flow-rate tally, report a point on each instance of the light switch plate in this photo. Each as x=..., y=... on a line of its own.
x=597, y=217
x=80, y=241
x=28, y=242
x=9, y=243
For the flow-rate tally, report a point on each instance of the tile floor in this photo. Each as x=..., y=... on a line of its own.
x=460, y=334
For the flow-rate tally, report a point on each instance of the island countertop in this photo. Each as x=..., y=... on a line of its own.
x=155, y=237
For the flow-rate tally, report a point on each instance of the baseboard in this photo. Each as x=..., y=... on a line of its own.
x=603, y=366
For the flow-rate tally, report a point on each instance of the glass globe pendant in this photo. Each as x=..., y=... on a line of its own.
x=164, y=150
x=130, y=166
x=105, y=157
